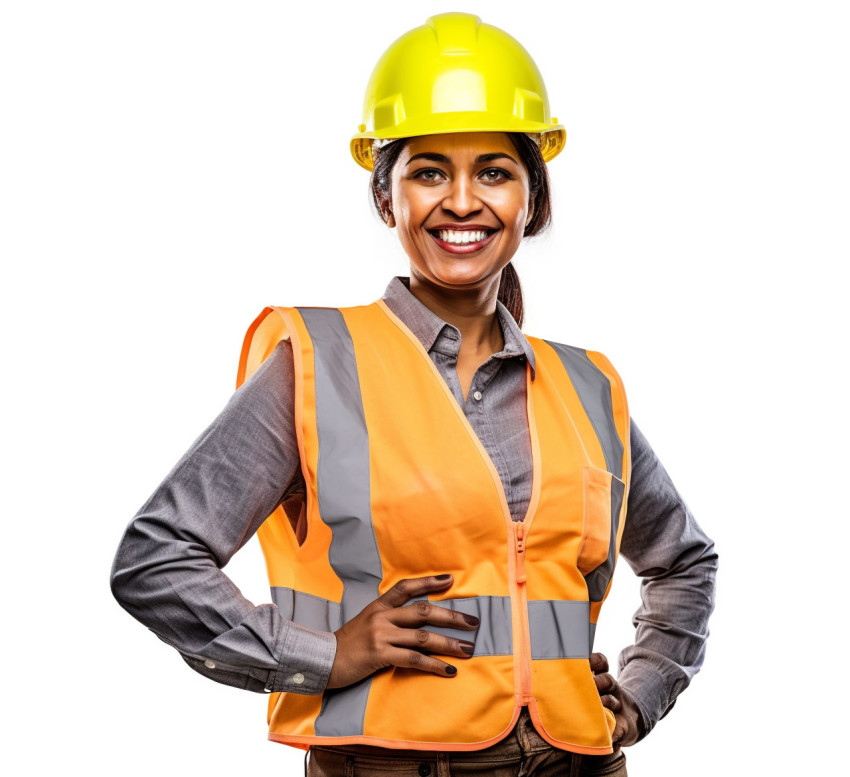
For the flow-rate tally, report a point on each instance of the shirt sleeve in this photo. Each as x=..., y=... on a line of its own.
x=665, y=546
x=168, y=573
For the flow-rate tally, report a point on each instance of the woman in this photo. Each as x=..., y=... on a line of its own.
x=402, y=451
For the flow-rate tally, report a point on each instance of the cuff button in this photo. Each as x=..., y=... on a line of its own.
x=298, y=678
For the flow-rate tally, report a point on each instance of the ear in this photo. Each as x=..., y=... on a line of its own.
x=386, y=211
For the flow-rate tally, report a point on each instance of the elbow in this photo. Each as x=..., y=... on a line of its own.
x=120, y=579
x=133, y=568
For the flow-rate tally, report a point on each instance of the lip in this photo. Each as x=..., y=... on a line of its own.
x=465, y=248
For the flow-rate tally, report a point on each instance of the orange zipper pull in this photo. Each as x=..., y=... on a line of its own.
x=520, y=552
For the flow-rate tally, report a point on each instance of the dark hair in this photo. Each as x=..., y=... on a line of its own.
x=510, y=291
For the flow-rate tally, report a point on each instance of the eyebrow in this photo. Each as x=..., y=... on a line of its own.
x=434, y=157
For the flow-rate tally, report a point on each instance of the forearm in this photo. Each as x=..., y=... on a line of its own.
x=677, y=561
x=174, y=586
x=168, y=569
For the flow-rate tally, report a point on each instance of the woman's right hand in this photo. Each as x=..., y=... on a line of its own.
x=386, y=633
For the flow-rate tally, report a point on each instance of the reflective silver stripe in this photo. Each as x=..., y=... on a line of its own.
x=493, y=637
x=592, y=635
x=342, y=481
x=597, y=580
x=559, y=628
x=594, y=391
x=307, y=610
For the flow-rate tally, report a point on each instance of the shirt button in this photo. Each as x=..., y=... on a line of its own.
x=209, y=664
x=424, y=770
x=298, y=678
x=477, y=396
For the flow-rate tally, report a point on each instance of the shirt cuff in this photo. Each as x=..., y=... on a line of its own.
x=653, y=690
x=307, y=657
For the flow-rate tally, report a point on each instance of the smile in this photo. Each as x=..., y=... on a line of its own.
x=462, y=241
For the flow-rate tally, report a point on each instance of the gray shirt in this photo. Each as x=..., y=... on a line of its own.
x=168, y=569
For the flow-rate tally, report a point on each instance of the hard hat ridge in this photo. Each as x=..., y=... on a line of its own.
x=455, y=74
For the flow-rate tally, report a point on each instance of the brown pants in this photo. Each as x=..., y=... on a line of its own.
x=523, y=753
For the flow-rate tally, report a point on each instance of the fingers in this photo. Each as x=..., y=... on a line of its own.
x=598, y=662
x=608, y=690
x=619, y=701
x=405, y=590
x=429, y=642
x=612, y=703
x=606, y=684
x=413, y=659
x=619, y=732
x=423, y=613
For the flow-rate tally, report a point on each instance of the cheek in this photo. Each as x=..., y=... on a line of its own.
x=516, y=210
x=410, y=214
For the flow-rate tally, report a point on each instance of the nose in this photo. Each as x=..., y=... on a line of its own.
x=461, y=198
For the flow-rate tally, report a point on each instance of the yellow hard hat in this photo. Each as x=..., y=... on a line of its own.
x=455, y=74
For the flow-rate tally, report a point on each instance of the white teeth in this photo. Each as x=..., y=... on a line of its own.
x=458, y=237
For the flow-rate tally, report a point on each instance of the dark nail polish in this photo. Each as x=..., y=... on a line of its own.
x=467, y=647
x=451, y=670
x=443, y=577
x=471, y=619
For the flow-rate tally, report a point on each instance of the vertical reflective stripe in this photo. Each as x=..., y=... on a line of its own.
x=342, y=482
x=594, y=391
x=592, y=635
x=307, y=610
x=494, y=636
x=559, y=629
x=598, y=579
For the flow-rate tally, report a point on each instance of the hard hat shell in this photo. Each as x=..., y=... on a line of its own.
x=455, y=74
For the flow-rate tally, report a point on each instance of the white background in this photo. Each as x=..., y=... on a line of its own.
x=169, y=168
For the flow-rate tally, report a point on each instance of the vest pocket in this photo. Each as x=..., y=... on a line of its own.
x=597, y=535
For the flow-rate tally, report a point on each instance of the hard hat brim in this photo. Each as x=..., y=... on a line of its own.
x=552, y=137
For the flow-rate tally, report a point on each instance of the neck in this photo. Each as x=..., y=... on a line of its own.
x=471, y=311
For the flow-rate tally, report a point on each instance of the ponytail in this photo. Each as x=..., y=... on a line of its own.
x=510, y=292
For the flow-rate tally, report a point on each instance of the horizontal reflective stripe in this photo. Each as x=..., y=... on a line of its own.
x=493, y=637
x=559, y=628
x=307, y=610
x=594, y=391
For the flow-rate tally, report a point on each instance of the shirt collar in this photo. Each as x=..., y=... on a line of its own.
x=428, y=326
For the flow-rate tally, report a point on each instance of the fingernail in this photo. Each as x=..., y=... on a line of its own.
x=451, y=670
x=471, y=619
x=467, y=647
x=443, y=577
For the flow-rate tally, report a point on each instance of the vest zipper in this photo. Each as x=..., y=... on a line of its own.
x=518, y=529
x=525, y=648
x=520, y=552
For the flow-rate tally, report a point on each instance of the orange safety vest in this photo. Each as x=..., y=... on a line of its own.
x=398, y=485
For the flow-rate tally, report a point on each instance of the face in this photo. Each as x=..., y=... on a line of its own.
x=460, y=205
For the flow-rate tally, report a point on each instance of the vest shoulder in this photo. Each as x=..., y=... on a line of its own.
x=263, y=335
x=576, y=360
x=572, y=351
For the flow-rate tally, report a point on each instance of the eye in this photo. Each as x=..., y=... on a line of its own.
x=428, y=174
x=495, y=174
